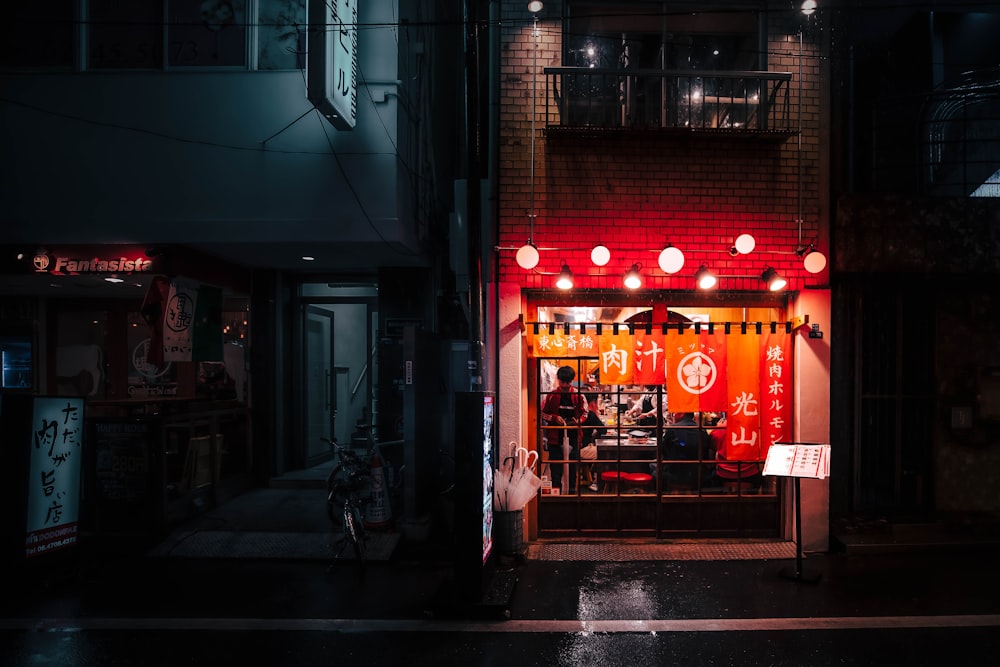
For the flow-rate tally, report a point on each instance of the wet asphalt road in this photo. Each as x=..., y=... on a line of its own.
x=921, y=609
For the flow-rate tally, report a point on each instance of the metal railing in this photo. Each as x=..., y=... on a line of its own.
x=717, y=101
x=943, y=143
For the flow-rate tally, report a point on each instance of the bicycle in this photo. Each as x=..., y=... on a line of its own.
x=347, y=488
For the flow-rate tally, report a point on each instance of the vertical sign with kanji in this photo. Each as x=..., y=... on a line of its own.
x=332, y=62
x=54, y=466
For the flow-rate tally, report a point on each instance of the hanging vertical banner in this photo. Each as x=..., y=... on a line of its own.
x=649, y=358
x=695, y=371
x=615, y=356
x=178, y=320
x=151, y=310
x=715, y=354
x=775, y=384
x=192, y=322
x=743, y=410
x=206, y=337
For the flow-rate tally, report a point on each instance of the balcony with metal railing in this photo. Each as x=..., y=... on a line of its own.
x=745, y=103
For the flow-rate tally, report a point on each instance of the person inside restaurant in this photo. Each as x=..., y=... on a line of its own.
x=593, y=428
x=732, y=473
x=564, y=407
x=644, y=410
x=683, y=444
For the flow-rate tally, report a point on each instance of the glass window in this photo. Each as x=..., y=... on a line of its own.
x=643, y=444
x=144, y=378
x=15, y=353
x=80, y=363
x=206, y=33
x=125, y=34
x=658, y=36
x=281, y=34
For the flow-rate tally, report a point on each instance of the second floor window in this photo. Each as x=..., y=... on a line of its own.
x=157, y=34
x=657, y=35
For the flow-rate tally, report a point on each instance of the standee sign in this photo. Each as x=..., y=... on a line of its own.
x=41, y=460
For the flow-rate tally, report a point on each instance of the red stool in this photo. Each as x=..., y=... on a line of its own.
x=636, y=481
x=609, y=481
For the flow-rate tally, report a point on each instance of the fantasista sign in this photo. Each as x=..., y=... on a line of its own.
x=69, y=265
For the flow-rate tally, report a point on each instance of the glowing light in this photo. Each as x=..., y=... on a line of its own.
x=600, y=255
x=671, y=260
x=814, y=262
x=527, y=256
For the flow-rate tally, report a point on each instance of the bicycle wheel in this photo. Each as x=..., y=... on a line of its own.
x=354, y=530
x=336, y=495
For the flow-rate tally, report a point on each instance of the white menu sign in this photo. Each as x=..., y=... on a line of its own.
x=55, y=463
x=800, y=460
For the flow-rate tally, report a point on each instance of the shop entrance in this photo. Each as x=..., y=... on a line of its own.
x=629, y=447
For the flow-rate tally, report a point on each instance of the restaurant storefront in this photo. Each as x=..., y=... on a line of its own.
x=156, y=345
x=681, y=406
x=721, y=378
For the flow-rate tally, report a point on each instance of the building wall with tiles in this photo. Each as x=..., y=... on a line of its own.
x=635, y=192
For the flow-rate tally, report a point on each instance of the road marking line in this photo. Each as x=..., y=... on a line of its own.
x=509, y=626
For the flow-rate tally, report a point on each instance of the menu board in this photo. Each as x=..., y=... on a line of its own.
x=798, y=460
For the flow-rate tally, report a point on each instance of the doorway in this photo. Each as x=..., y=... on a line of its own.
x=320, y=386
x=337, y=361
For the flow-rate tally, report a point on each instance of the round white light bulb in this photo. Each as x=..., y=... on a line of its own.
x=527, y=256
x=815, y=262
x=600, y=255
x=671, y=260
x=745, y=244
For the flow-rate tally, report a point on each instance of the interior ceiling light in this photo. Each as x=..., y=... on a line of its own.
x=632, y=278
x=773, y=279
x=565, y=279
x=814, y=261
x=600, y=255
x=527, y=256
x=745, y=244
x=671, y=259
x=535, y=6
x=704, y=278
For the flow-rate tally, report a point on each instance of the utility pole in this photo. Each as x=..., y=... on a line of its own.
x=475, y=235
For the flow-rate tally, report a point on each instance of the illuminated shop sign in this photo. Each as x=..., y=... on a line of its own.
x=68, y=265
x=55, y=445
x=333, y=61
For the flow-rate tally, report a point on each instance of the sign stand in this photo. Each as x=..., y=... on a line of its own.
x=798, y=460
x=798, y=574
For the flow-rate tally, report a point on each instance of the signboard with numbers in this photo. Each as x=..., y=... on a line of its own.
x=42, y=457
x=798, y=460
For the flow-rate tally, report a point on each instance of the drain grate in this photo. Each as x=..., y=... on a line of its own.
x=607, y=551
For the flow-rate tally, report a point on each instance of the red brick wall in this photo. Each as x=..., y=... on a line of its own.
x=635, y=193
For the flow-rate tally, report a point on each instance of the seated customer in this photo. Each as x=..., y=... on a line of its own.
x=732, y=471
x=684, y=441
x=591, y=432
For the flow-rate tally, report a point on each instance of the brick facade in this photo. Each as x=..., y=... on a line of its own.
x=637, y=191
